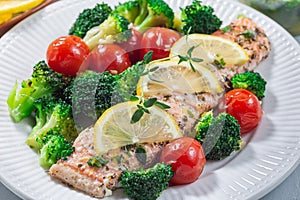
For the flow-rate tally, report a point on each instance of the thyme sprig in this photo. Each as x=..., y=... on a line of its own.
x=143, y=107
x=188, y=58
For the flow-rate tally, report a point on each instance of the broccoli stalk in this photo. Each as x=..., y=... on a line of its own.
x=52, y=114
x=146, y=184
x=44, y=83
x=251, y=81
x=114, y=29
x=90, y=18
x=219, y=136
x=153, y=13
x=197, y=18
x=54, y=147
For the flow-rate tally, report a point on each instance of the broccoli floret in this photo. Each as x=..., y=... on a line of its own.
x=219, y=136
x=129, y=10
x=90, y=95
x=114, y=29
x=90, y=18
x=146, y=184
x=127, y=82
x=44, y=83
x=52, y=114
x=251, y=81
x=54, y=147
x=197, y=18
x=153, y=13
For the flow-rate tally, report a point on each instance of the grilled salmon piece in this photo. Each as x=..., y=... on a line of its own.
x=187, y=108
x=251, y=38
x=101, y=181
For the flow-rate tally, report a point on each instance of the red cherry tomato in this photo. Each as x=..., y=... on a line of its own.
x=159, y=40
x=66, y=54
x=133, y=45
x=245, y=107
x=109, y=57
x=187, y=158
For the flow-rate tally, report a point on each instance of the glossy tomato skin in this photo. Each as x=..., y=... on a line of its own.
x=66, y=55
x=109, y=57
x=245, y=107
x=187, y=158
x=159, y=40
x=133, y=46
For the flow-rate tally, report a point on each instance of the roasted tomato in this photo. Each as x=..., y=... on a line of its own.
x=133, y=46
x=187, y=158
x=67, y=54
x=159, y=40
x=245, y=107
x=109, y=57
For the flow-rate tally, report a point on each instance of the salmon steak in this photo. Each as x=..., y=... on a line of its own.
x=101, y=181
x=251, y=38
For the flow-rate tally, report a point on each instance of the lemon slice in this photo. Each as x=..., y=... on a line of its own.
x=172, y=77
x=210, y=48
x=113, y=129
x=15, y=6
x=5, y=18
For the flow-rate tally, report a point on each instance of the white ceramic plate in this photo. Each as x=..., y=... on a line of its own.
x=271, y=155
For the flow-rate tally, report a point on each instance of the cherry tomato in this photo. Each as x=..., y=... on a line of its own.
x=66, y=54
x=159, y=40
x=187, y=158
x=132, y=46
x=109, y=57
x=245, y=107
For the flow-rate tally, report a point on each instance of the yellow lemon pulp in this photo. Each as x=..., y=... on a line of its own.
x=210, y=48
x=113, y=129
x=173, y=77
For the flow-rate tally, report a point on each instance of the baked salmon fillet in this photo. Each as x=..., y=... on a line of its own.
x=251, y=38
x=100, y=181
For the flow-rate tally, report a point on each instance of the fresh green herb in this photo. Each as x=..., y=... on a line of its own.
x=248, y=34
x=220, y=63
x=225, y=29
x=140, y=154
x=241, y=16
x=97, y=161
x=188, y=58
x=143, y=107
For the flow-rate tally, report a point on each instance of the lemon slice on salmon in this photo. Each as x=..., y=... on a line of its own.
x=170, y=77
x=211, y=49
x=114, y=129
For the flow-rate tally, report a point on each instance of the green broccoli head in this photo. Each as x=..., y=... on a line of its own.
x=251, y=81
x=52, y=114
x=54, y=147
x=44, y=83
x=128, y=80
x=154, y=13
x=114, y=29
x=219, y=136
x=198, y=18
x=90, y=95
x=90, y=18
x=146, y=184
x=129, y=10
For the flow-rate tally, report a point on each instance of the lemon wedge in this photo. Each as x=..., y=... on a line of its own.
x=5, y=18
x=15, y=6
x=210, y=48
x=173, y=77
x=113, y=129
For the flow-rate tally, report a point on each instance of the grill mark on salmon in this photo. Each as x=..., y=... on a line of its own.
x=95, y=181
x=252, y=39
